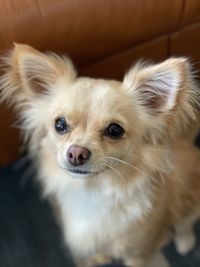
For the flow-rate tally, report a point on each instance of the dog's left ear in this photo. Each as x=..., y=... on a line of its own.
x=30, y=73
x=166, y=93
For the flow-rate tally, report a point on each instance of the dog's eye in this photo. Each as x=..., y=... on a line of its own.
x=114, y=131
x=61, y=126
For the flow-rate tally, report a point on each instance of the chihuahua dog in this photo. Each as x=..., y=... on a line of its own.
x=111, y=155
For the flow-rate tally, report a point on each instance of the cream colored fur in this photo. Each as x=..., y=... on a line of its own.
x=143, y=186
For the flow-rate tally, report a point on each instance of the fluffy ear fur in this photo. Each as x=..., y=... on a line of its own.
x=29, y=73
x=167, y=95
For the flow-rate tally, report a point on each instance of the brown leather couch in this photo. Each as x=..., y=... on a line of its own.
x=103, y=38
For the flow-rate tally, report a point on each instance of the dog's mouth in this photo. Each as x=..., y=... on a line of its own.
x=84, y=172
x=78, y=171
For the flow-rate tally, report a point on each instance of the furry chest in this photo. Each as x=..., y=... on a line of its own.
x=93, y=219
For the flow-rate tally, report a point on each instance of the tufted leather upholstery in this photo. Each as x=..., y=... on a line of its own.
x=103, y=38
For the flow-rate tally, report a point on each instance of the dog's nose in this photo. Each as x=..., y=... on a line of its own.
x=77, y=155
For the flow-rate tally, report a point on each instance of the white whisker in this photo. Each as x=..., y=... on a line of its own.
x=124, y=162
x=116, y=171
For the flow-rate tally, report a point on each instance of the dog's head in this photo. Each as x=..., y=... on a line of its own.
x=89, y=126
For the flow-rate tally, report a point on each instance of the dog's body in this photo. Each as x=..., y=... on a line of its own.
x=111, y=154
x=126, y=221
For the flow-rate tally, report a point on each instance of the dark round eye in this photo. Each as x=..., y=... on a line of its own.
x=61, y=126
x=114, y=131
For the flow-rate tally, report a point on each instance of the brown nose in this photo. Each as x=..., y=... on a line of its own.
x=77, y=155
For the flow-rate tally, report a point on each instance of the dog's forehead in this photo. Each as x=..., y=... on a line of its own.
x=91, y=99
x=97, y=88
x=93, y=102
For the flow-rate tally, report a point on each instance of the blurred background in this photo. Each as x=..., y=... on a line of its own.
x=103, y=38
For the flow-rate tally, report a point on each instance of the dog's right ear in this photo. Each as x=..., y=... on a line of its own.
x=167, y=96
x=29, y=73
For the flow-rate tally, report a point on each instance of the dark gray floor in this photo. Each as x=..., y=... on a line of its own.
x=29, y=236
